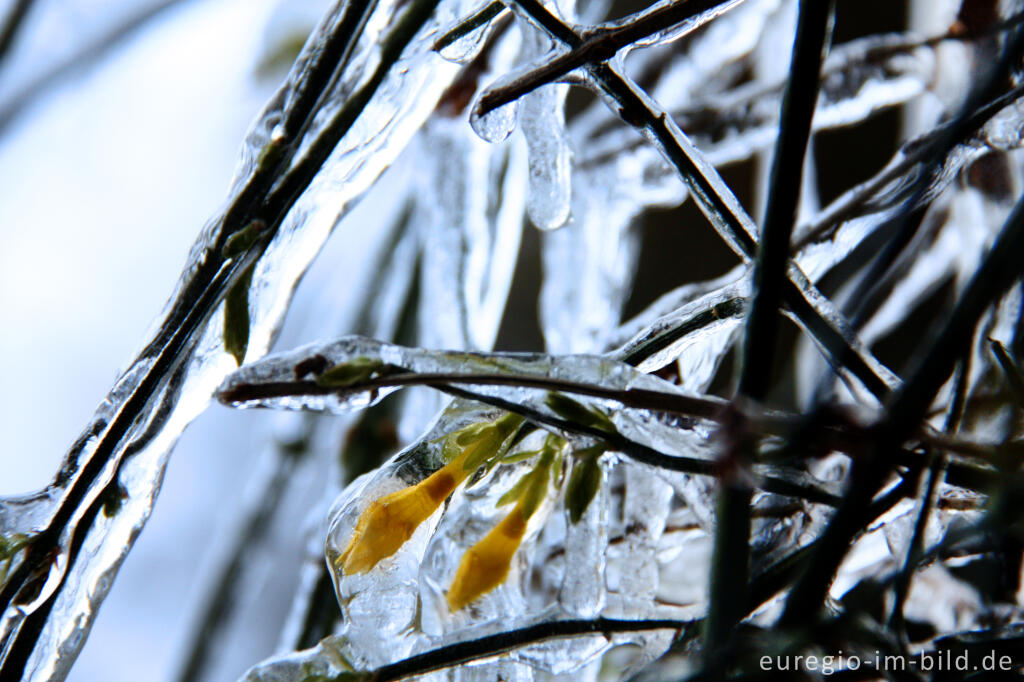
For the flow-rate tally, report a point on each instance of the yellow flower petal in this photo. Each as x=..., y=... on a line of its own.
x=389, y=522
x=485, y=565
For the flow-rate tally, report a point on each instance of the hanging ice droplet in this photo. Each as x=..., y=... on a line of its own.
x=497, y=124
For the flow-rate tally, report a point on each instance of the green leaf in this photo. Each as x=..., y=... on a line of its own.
x=578, y=413
x=532, y=488
x=12, y=544
x=521, y=456
x=537, y=489
x=269, y=155
x=242, y=240
x=348, y=373
x=583, y=483
x=236, y=317
x=515, y=492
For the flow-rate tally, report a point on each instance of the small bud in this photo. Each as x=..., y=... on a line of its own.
x=236, y=317
x=242, y=240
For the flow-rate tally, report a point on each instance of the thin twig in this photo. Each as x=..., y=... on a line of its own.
x=909, y=405
x=503, y=642
x=1000, y=268
x=638, y=351
x=844, y=436
x=470, y=24
x=706, y=407
x=731, y=555
x=936, y=472
x=796, y=486
x=12, y=27
x=741, y=110
x=939, y=141
x=601, y=44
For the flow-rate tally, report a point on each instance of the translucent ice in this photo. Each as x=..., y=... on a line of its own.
x=170, y=381
x=497, y=124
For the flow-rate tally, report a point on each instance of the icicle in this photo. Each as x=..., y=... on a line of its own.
x=632, y=566
x=543, y=126
x=583, y=590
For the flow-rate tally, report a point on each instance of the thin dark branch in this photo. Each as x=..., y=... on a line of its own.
x=937, y=143
x=795, y=486
x=12, y=27
x=1000, y=268
x=638, y=351
x=602, y=44
x=936, y=473
x=783, y=198
x=172, y=345
x=323, y=69
x=910, y=404
x=503, y=642
x=777, y=576
x=781, y=573
x=841, y=436
x=741, y=112
x=706, y=407
x=1011, y=371
x=470, y=24
x=730, y=572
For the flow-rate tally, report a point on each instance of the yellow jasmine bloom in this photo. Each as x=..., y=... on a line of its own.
x=485, y=565
x=388, y=523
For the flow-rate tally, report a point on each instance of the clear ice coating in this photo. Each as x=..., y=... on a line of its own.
x=398, y=607
x=355, y=372
x=590, y=530
x=674, y=32
x=632, y=568
x=497, y=124
x=77, y=583
x=461, y=49
x=465, y=273
x=608, y=560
